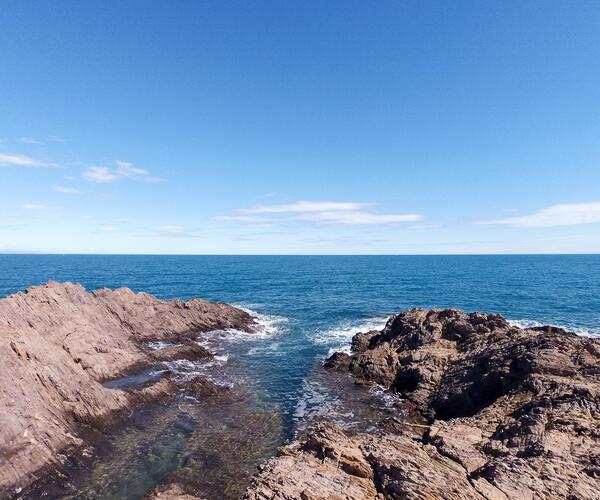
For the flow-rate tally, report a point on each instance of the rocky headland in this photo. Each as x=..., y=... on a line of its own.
x=488, y=411
x=59, y=345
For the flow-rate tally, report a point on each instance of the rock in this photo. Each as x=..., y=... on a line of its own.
x=200, y=386
x=190, y=350
x=498, y=412
x=59, y=342
x=339, y=361
x=322, y=465
x=170, y=492
x=163, y=389
x=362, y=341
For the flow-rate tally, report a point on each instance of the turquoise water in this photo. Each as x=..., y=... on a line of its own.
x=311, y=305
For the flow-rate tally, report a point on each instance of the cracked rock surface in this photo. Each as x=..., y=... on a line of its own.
x=490, y=411
x=58, y=343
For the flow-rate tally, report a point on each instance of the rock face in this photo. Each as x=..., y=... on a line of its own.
x=490, y=411
x=58, y=343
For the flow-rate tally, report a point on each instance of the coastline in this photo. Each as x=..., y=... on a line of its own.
x=403, y=404
x=61, y=344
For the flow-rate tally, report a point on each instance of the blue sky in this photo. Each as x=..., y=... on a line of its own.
x=300, y=127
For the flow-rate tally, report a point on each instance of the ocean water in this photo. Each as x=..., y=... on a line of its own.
x=309, y=306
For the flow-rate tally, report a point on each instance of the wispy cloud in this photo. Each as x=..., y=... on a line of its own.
x=566, y=214
x=306, y=206
x=358, y=218
x=99, y=174
x=124, y=170
x=178, y=232
x=424, y=226
x=241, y=218
x=66, y=190
x=30, y=140
x=326, y=212
x=18, y=160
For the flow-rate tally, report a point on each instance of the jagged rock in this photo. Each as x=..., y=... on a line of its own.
x=339, y=361
x=59, y=342
x=507, y=413
x=200, y=386
x=170, y=492
x=190, y=350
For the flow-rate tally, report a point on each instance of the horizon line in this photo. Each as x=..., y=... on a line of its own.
x=116, y=254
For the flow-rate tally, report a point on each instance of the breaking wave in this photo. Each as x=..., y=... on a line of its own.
x=338, y=338
x=531, y=323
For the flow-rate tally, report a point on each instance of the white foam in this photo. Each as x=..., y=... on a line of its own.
x=389, y=398
x=339, y=337
x=160, y=344
x=531, y=323
x=268, y=324
x=271, y=348
x=317, y=401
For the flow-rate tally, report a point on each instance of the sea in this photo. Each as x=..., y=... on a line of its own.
x=307, y=308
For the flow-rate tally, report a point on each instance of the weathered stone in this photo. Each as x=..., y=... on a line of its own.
x=507, y=413
x=58, y=343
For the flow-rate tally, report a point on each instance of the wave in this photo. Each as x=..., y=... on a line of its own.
x=338, y=337
x=268, y=324
x=531, y=323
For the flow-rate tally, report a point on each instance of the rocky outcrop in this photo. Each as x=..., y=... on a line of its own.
x=490, y=411
x=58, y=343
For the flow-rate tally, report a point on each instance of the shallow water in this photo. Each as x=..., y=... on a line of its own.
x=308, y=307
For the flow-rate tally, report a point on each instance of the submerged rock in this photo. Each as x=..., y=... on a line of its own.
x=59, y=342
x=491, y=411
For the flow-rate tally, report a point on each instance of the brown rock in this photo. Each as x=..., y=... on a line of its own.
x=510, y=413
x=58, y=342
x=190, y=350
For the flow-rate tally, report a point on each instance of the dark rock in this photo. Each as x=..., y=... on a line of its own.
x=493, y=411
x=339, y=361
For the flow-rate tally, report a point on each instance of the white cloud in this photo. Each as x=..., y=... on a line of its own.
x=129, y=170
x=17, y=160
x=306, y=206
x=109, y=229
x=241, y=218
x=66, y=190
x=99, y=174
x=30, y=140
x=124, y=170
x=330, y=212
x=353, y=217
x=424, y=226
x=566, y=214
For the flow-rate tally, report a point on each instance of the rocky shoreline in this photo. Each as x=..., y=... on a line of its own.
x=489, y=411
x=59, y=347
x=484, y=410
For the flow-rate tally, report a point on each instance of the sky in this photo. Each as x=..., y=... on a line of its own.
x=300, y=127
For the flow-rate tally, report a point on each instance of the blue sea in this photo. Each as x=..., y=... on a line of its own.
x=312, y=305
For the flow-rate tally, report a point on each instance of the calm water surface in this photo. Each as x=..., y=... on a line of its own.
x=309, y=305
